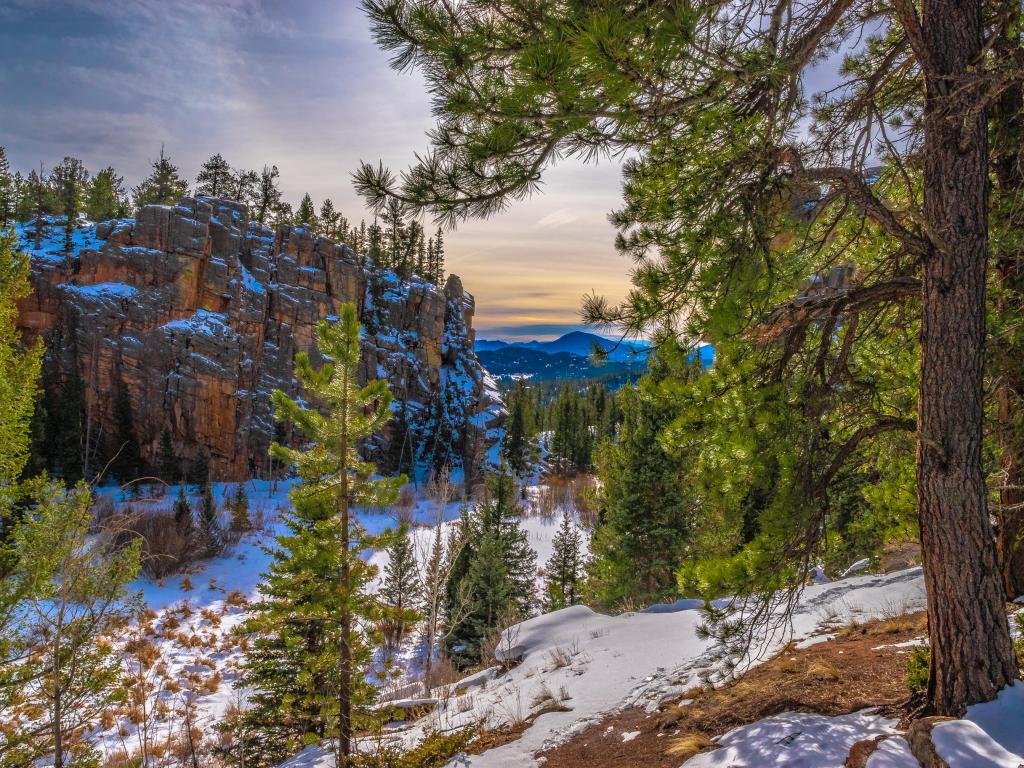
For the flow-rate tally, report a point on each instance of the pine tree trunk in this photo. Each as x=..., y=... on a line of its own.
x=1008, y=356
x=972, y=656
x=345, y=684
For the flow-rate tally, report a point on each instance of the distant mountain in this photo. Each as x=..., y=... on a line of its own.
x=516, y=360
x=578, y=343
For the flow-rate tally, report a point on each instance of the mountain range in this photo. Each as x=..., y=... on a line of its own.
x=575, y=343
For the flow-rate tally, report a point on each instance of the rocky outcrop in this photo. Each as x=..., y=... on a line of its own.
x=197, y=314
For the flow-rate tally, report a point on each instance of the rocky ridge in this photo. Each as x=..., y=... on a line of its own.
x=196, y=313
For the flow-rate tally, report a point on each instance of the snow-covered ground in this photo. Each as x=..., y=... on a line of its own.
x=192, y=616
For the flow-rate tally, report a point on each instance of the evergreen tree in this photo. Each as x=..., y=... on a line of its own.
x=164, y=186
x=239, y=506
x=564, y=570
x=65, y=421
x=169, y=463
x=517, y=446
x=37, y=193
x=8, y=198
x=214, y=178
x=400, y=593
x=199, y=469
x=268, y=196
x=211, y=536
x=183, y=515
x=306, y=215
x=242, y=185
x=309, y=655
x=491, y=579
x=69, y=181
x=105, y=197
x=330, y=221
x=645, y=516
x=19, y=385
x=437, y=270
x=127, y=464
x=84, y=600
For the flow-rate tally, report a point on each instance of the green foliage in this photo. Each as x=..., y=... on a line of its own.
x=491, y=573
x=306, y=214
x=401, y=592
x=19, y=368
x=211, y=537
x=72, y=580
x=239, y=507
x=69, y=180
x=564, y=570
x=519, y=447
x=105, y=197
x=127, y=462
x=164, y=186
x=215, y=177
x=167, y=460
x=646, y=518
x=183, y=515
x=434, y=751
x=311, y=639
x=918, y=669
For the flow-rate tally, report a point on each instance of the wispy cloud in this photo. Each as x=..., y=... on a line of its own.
x=300, y=85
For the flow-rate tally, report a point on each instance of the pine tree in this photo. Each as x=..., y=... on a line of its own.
x=105, y=197
x=211, y=536
x=438, y=268
x=239, y=506
x=183, y=515
x=306, y=215
x=127, y=464
x=65, y=419
x=169, y=463
x=308, y=663
x=400, y=593
x=19, y=386
x=199, y=470
x=85, y=599
x=69, y=181
x=38, y=189
x=491, y=579
x=330, y=221
x=164, y=186
x=645, y=515
x=8, y=201
x=564, y=570
x=268, y=196
x=517, y=445
x=214, y=178
x=242, y=186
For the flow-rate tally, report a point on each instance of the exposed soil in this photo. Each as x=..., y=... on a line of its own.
x=856, y=669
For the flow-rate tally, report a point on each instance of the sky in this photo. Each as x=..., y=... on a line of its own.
x=302, y=86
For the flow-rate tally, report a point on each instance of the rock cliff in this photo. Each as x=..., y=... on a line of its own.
x=195, y=313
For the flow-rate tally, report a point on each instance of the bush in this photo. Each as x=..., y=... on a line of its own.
x=166, y=549
x=918, y=667
x=433, y=752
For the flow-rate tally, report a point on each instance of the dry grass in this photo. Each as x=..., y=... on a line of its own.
x=686, y=746
x=859, y=668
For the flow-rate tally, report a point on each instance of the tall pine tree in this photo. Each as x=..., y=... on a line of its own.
x=214, y=178
x=309, y=629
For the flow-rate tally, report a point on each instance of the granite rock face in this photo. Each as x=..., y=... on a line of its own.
x=197, y=313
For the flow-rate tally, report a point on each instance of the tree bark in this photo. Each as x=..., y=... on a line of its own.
x=972, y=655
x=1007, y=355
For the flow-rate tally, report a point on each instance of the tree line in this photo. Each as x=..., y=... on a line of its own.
x=69, y=191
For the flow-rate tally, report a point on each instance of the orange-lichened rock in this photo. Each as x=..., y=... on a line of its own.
x=198, y=312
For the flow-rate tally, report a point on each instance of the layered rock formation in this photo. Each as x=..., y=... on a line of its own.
x=197, y=313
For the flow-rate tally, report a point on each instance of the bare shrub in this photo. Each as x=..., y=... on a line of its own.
x=166, y=549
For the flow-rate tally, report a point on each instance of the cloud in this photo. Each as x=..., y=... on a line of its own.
x=299, y=85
